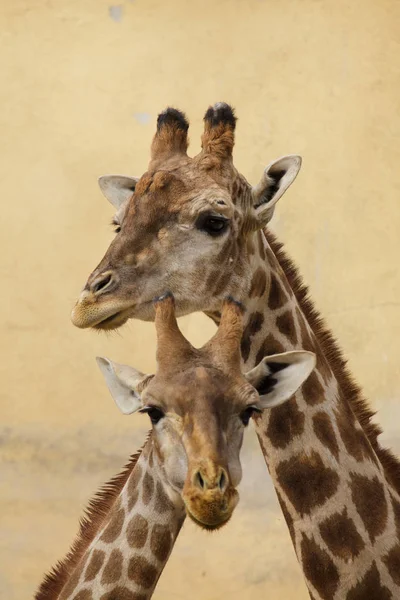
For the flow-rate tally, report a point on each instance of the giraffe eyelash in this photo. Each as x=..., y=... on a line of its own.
x=116, y=226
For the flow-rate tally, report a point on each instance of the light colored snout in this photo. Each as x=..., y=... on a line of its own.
x=98, y=306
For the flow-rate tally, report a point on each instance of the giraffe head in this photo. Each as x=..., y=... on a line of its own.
x=186, y=225
x=199, y=403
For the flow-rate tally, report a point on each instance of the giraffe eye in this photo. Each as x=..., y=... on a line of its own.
x=212, y=224
x=247, y=414
x=155, y=414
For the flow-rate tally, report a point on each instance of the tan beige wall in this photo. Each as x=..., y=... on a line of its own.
x=81, y=85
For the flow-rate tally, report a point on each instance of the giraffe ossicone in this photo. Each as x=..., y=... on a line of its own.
x=197, y=227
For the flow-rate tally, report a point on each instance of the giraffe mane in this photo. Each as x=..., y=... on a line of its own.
x=95, y=512
x=351, y=390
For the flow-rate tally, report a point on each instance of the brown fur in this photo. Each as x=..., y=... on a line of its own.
x=98, y=508
x=350, y=389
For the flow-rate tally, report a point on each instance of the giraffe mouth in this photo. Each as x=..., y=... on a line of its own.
x=208, y=526
x=113, y=321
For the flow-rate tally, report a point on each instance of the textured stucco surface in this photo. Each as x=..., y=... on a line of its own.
x=82, y=82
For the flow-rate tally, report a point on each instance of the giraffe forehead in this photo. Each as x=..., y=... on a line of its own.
x=198, y=388
x=174, y=187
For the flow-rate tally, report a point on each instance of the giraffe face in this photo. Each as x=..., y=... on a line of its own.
x=198, y=419
x=186, y=225
x=199, y=404
x=176, y=225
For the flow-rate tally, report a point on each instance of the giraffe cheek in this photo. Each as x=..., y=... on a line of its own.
x=176, y=466
x=235, y=471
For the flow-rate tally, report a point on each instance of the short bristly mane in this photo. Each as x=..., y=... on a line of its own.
x=350, y=389
x=98, y=508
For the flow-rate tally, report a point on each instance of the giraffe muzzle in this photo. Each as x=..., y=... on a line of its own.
x=210, y=509
x=209, y=496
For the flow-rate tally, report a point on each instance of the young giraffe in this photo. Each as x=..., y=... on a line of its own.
x=195, y=226
x=199, y=404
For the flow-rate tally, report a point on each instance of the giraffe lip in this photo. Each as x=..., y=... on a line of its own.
x=112, y=321
x=119, y=317
x=207, y=526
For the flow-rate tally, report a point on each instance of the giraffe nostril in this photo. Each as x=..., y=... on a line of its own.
x=222, y=481
x=102, y=282
x=199, y=480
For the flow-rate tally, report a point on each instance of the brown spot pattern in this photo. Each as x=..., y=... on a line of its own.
x=369, y=499
x=313, y=392
x=258, y=283
x=370, y=587
x=253, y=326
x=122, y=593
x=285, y=422
x=341, y=536
x=325, y=433
x=307, y=482
x=148, y=488
x=95, y=564
x=160, y=542
x=142, y=572
x=113, y=569
x=287, y=327
x=319, y=568
x=137, y=531
x=114, y=527
x=277, y=296
x=392, y=562
x=269, y=346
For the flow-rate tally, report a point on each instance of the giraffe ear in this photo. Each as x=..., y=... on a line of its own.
x=276, y=378
x=276, y=179
x=117, y=188
x=125, y=384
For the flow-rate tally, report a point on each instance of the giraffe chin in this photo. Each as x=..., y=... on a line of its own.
x=208, y=526
x=213, y=513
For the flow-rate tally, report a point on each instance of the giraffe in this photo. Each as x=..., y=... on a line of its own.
x=196, y=226
x=199, y=404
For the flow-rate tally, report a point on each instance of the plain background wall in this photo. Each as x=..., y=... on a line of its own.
x=81, y=85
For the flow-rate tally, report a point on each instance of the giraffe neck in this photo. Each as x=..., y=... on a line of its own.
x=338, y=490
x=126, y=550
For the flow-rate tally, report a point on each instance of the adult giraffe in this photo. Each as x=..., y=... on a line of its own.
x=199, y=403
x=195, y=226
